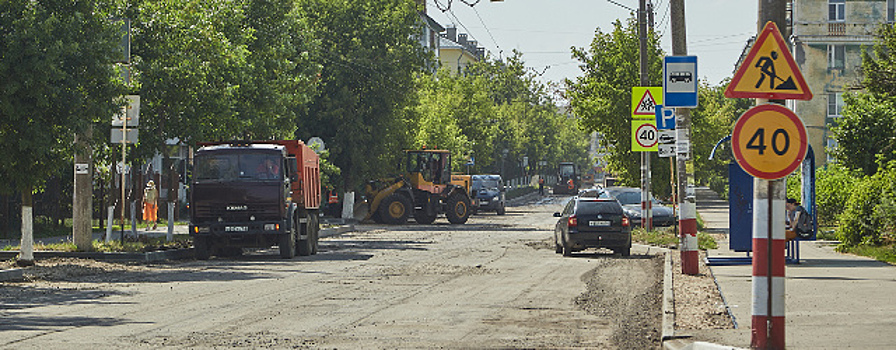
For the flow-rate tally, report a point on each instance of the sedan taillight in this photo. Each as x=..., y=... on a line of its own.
x=573, y=221
x=625, y=222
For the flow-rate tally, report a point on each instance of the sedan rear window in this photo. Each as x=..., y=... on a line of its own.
x=598, y=207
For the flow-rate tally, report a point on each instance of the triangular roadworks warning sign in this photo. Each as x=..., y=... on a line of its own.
x=769, y=71
x=644, y=101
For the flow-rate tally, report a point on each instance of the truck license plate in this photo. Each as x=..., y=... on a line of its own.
x=236, y=228
x=599, y=223
x=483, y=202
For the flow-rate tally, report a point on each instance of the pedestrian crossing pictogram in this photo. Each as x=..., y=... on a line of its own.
x=644, y=101
x=769, y=71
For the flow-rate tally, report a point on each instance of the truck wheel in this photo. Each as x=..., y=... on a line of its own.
x=316, y=228
x=395, y=209
x=458, y=210
x=201, y=248
x=288, y=243
x=306, y=246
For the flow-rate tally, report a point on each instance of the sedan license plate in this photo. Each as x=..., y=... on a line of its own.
x=236, y=228
x=598, y=223
x=483, y=202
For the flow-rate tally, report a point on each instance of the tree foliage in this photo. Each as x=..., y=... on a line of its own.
x=218, y=70
x=711, y=121
x=496, y=106
x=369, y=57
x=56, y=81
x=601, y=99
x=879, y=65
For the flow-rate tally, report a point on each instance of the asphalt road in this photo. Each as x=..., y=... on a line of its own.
x=494, y=282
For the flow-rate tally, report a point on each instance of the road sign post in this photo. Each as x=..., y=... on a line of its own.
x=644, y=102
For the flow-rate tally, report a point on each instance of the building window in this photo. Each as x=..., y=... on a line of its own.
x=835, y=104
x=836, y=10
x=830, y=146
x=836, y=56
x=891, y=11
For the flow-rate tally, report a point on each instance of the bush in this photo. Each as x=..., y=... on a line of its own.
x=870, y=211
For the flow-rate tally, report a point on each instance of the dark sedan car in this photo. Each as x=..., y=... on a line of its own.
x=588, y=222
x=489, y=193
x=630, y=198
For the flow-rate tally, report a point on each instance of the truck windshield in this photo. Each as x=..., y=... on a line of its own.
x=567, y=170
x=487, y=184
x=237, y=167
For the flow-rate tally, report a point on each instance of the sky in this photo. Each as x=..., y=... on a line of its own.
x=545, y=30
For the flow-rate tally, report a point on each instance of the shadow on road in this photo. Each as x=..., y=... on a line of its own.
x=57, y=323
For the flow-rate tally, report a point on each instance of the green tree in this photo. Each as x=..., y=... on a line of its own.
x=189, y=57
x=493, y=106
x=601, y=98
x=56, y=81
x=879, y=65
x=369, y=57
x=711, y=121
x=865, y=135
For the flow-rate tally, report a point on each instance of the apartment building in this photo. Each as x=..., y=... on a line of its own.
x=456, y=51
x=828, y=37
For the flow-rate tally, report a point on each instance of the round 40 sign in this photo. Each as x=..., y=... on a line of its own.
x=769, y=141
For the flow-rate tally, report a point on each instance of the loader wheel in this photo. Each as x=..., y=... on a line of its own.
x=422, y=218
x=458, y=210
x=395, y=209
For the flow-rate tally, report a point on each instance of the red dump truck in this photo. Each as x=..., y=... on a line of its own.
x=248, y=194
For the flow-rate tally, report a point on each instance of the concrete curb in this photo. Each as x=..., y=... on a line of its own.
x=668, y=299
x=335, y=231
x=11, y=275
x=156, y=256
x=161, y=255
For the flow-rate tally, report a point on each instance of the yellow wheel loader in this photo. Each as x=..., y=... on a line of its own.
x=423, y=191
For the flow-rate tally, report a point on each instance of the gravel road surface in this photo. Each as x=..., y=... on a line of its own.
x=494, y=282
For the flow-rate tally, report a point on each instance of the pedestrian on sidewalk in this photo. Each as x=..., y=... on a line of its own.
x=798, y=221
x=541, y=185
x=151, y=203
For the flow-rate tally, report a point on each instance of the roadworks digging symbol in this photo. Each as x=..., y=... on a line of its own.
x=769, y=71
x=644, y=101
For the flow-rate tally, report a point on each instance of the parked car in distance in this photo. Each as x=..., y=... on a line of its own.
x=489, y=191
x=630, y=198
x=589, y=222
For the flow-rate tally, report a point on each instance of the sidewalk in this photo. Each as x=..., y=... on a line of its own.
x=833, y=300
x=160, y=231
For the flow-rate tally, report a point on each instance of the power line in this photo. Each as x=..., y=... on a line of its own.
x=486, y=27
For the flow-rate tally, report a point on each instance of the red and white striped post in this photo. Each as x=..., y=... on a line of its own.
x=687, y=223
x=768, y=263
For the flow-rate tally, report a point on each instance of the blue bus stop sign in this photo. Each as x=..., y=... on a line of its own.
x=680, y=81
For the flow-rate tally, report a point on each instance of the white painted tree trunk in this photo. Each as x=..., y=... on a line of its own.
x=26, y=255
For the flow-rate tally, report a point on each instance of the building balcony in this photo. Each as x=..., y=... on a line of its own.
x=837, y=29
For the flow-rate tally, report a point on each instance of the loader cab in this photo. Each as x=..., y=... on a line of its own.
x=428, y=167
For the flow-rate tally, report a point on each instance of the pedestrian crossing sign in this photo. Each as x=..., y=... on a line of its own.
x=769, y=71
x=644, y=101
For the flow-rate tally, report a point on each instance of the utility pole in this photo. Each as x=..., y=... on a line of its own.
x=687, y=201
x=82, y=201
x=646, y=217
x=768, y=218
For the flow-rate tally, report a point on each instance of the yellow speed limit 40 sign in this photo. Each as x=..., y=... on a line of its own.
x=769, y=141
